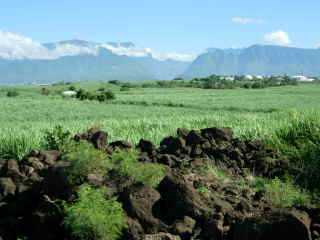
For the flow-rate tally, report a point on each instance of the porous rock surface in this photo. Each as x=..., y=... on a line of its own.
x=176, y=209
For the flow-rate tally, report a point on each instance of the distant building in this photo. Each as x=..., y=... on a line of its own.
x=301, y=78
x=229, y=78
x=249, y=77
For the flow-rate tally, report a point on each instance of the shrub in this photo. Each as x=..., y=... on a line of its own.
x=126, y=163
x=45, y=91
x=109, y=95
x=124, y=88
x=13, y=147
x=56, y=139
x=85, y=159
x=115, y=82
x=300, y=141
x=12, y=93
x=72, y=88
x=93, y=217
x=282, y=193
x=216, y=172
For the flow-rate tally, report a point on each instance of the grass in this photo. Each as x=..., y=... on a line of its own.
x=257, y=113
x=126, y=164
x=282, y=193
x=93, y=216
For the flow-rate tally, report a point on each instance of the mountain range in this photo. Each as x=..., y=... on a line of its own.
x=77, y=60
x=256, y=60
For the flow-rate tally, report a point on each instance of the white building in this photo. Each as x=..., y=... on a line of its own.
x=301, y=78
x=249, y=77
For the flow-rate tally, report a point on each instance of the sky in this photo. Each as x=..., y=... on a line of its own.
x=176, y=26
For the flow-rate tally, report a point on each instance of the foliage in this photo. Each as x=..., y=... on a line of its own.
x=93, y=217
x=12, y=147
x=100, y=95
x=56, y=139
x=203, y=190
x=213, y=170
x=12, y=93
x=250, y=113
x=300, y=141
x=127, y=164
x=45, y=91
x=72, y=88
x=84, y=160
x=282, y=193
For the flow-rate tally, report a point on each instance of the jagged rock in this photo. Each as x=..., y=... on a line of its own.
x=35, y=163
x=95, y=180
x=182, y=132
x=179, y=199
x=172, y=145
x=138, y=201
x=123, y=145
x=134, y=231
x=7, y=187
x=184, y=228
x=56, y=183
x=146, y=146
x=161, y=236
x=213, y=229
x=11, y=169
x=49, y=157
x=99, y=139
x=194, y=138
x=278, y=225
x=224, y=134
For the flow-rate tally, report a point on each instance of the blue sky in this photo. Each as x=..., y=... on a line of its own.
x=167, y=25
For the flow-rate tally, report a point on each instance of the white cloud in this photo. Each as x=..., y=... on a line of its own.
x=278, y=37
x=72, y=50
x=131, y=51
x=183, y=57
x=246, y=20
x=15, y=46
x=144, y=52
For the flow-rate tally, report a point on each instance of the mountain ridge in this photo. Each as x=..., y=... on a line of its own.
x=257, y=60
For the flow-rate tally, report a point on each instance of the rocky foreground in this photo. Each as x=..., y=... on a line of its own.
x=187, y=204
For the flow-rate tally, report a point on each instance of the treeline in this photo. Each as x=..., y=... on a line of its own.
x=213, y=82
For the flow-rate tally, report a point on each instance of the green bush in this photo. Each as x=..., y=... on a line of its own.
x=109, y=95
x=127, y=164
x=85, y=159
x=282, y=193
x=124, y=88
x=93, y=217
x=100, y=95
x=115, y=82
x=300, y=142
x=56, y=139
x=12, y=93
x=72, y=88
x=45, y=91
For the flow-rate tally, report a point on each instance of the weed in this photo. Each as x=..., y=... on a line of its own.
x=127, y=164
x=93, y=216
x=85, y=159
x=57, y=139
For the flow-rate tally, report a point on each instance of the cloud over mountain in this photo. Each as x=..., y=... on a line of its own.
x=278, y=37
x=15, y=46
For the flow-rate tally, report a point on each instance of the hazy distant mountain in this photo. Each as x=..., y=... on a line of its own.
x=77, y=60
x=258, y=60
